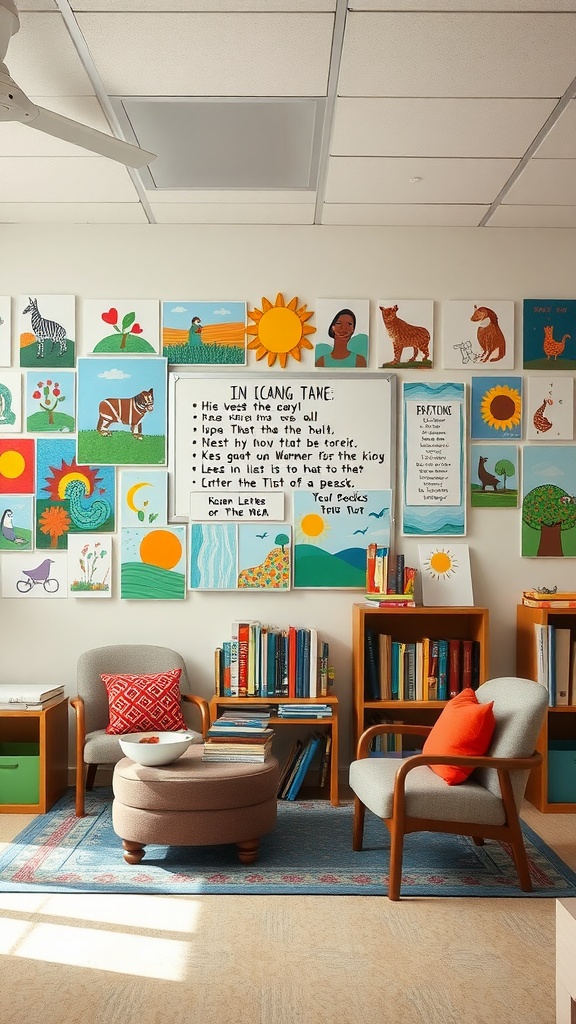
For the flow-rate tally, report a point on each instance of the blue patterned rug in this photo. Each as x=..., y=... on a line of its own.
x=309, y=852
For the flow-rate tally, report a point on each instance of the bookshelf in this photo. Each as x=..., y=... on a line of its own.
x=219, y=704
x=410, y=625
x=560, y=722
x=34, y=746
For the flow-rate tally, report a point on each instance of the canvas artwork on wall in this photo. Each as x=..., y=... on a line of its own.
x=478, y=334
x=5, y=330
x=240, y=556
x=16, y=522
x=121, y=326
x=548, y=501
x=35, y=576
x=51, y=402
x=549, y=334
x=47, y=331
x=143, y=497
x=550, y=408
x=343, y=327
x=496, y=408
x=89, y=565
x=10, y=401
x=204, y=333
x=405, y=333
x=122, y=411
x=153, y=563
x=494, y=475
x=70, y=497
x=280, y=330
x=17, y=466
x=445, y=574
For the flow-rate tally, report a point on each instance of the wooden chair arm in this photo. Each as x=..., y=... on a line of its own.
x=507, y=764
x=78, y=704
x=388, y=727
x=204, y=709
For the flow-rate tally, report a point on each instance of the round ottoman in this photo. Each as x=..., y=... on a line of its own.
x=194, y=803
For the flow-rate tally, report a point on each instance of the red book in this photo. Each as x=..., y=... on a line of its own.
x=466, y=663
x=242, y=630
x=453, y=668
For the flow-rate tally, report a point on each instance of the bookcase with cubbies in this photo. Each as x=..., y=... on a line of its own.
x=555, y=779
x=410, y=626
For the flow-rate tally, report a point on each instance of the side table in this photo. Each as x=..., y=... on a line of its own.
x=46, y=733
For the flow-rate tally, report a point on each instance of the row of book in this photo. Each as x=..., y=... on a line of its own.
x=426, y=669
x=553, y=599
x=316, y=746
x=267, y=661
x=389, y=582
x=239, y=736
x=556, y=663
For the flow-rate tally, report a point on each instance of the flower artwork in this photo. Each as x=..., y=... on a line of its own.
x=204, y=333
x=280, y=330
x=47, y=331
x=122, y=326
x=10, y=401
x=496, y=408
x=89, y=566
x=51, y=402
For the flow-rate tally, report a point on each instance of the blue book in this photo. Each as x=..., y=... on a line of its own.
x=371, y=668
x=308, y=753
x=272, y=642
x=395, y=670
x=302, y=660
x=442, y=670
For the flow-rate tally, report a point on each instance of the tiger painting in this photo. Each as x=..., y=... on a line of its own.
x=129, y=411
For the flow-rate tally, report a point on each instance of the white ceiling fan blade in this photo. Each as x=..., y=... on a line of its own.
x=65, y=128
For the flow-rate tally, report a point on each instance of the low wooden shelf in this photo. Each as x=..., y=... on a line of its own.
x=218, y=704
x=49, y=729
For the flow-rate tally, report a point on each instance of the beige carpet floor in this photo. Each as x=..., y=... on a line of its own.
x=94, y=959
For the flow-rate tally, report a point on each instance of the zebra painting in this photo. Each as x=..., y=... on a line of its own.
x=125, y=410
x=45, y=330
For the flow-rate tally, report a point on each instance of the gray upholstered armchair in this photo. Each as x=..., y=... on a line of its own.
x=93, y=745
x=412, y=798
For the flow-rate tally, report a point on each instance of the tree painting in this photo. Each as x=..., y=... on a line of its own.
x=505, y=468
x=282, y=539
x=48, y=396
x=54, y=522
x=549, y=509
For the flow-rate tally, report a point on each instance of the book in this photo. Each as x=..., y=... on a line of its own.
x=410, y=671
x=399, y=588
x=541, y=638
x=313, y=671
x=28, y=693
x=218, y=672
x=371, y=568
x=384, y=666
x=325, y=759
x=371, y=669
x=466, y=663
x=233, y=667
x=393, y=601
x=433, y=671
x=562, y=681
x=38, y=705
x=292, y=771
x=557, y=595
x=573, y=676
x=305, y=761
x=454, y=657
x=549, y=602
x=289, y=764
x=551, y=663
x=324, y=656
x=291, y=661
x=241, y=632
x=475, y=664
x=442, y=670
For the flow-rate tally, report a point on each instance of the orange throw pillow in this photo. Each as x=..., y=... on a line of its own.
x=464, y=727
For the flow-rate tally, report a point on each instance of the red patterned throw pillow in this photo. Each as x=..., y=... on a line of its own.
x=141, y=703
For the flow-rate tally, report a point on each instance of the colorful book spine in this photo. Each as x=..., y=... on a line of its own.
x=454, y=657
x=218, y=680
x=324, y=657
x=371, y=667
x=466, y=663
x=433, y=671
x=226, y=685
x=443, y=691
x=308, y=754
x=292, y=661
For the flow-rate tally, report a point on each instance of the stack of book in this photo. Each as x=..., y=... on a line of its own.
x=304, y=711
x=267, y=661
x=389, y=582
x=29, y=696
x=239, y=737
x=299, y=761
x=426, y=669
x=549, y=598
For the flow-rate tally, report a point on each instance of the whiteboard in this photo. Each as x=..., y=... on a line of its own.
x=279, y=433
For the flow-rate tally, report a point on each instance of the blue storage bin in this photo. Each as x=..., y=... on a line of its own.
x=562, y=771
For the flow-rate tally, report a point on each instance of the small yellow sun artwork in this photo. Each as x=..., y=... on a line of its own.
x=311, y=528
x=501, y=407
x=280, y=330
x=440, y=564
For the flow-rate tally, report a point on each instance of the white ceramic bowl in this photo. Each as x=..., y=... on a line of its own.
x=170, y=746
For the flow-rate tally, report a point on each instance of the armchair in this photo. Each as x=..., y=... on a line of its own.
x=93, y=745
x=412, y=798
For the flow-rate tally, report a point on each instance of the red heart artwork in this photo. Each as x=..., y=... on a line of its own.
x=111, y=316
x=136, y=329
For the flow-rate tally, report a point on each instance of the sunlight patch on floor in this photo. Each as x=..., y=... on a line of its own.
x=158, y=913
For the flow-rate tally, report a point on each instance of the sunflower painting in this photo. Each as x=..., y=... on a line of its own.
x=496, y=408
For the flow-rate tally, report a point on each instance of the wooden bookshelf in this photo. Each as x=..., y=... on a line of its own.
x=410, y=625
x=47, y=732
x=560, y=722
x=219, y=704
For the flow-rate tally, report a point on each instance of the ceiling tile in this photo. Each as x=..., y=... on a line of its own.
x=64, y=180
x=72, y=213
x=229, y=197
x=436, y=127
x=402, y=215
x=545, y=183
x=523, y=6
x=387, y=180
x=211, y=54
x=33, y=66
x=233, y=213
x=510, y=55
x=533, y=217
x=201, y=6
x=561, y=140
x=36, y=5
x=23, y=140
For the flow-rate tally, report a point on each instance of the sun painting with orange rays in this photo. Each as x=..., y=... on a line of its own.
x=280, y=330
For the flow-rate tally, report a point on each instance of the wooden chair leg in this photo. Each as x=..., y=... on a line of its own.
x=358, y=827
x=80, y=808
x=396, y=851
x=91, y=776
x=478, y=840
x=520, y=856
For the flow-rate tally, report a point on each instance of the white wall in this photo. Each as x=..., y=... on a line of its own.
x=42, y=639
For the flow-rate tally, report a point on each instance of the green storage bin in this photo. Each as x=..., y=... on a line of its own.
x=19, y=773
x=562, y=772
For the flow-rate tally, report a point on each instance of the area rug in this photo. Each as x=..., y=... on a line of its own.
x=308, y=853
